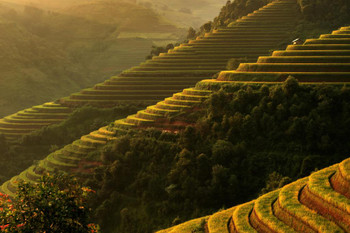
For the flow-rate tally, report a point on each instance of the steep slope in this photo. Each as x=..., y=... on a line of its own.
x=71, y=156
x=183, y=12
x=179, y=68
x=325, y=59
x=128, y=16
x=318, y=203
x=74, y=158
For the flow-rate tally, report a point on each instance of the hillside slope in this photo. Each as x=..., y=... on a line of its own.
x=181, y=67
x=64, y=52
x=318, y=203
x=240, y=116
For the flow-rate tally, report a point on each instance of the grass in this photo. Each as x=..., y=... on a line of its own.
x=340, y=184
x=327, y=41
x=339, y=36
x=240, y=217
x=341, y=32
x=263, y=210
x=147, y=96
x=31, y=174
x=294, y=67
x=182, y=96
x=319, y=185
x=155, y=79
x=138, y=87
x=192, y=91
x=52, y=162
x=148, y=115
x=133, y=119
x=19, y=120
x=329, y=77
x=173, y=101
x=319, y=47
x=99, y=136
x=5, y=124
x=123, y=124
x=195, y=226
x=304, y=59
x=37, y=115
x=6, y=190
x=344, y=168
x=80, y=147
x=161, y=111
x=170, y=73
x=182, y=68
x=164, y=105
x=299, y=216
x=86, y=140
x=65, y=159
x=177, y=63
x=218, y=222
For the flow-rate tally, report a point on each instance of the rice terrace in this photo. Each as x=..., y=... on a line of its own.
x=237, y=125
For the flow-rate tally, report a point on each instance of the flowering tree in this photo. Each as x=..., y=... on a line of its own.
x=57, y=203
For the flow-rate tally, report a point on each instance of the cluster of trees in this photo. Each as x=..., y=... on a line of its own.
x=329, y=11
x=236, y=9
x=246, y=140
x=156, y=50
x=57, y=203
x=230, y=12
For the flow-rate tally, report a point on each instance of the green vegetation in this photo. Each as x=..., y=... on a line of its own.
x=243, y=134
x=217, y=223
x=293, y=213
x=38, y=144
x=242, y=141
x=234, y=10
x=263, y=215
x=55, y=204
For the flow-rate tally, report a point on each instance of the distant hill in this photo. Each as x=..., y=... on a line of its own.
x=186, y=13
x=56, y=53
x=180, y=12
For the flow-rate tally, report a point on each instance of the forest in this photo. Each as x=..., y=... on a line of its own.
x=247, y=140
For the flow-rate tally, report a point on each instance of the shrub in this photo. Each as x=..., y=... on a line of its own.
x=57, y=203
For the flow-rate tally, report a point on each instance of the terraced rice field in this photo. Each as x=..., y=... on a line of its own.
x=326, y=59
x=164, y=115
x=313, y=204
x=171, y=72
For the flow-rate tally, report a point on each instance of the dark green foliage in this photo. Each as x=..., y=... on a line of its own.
x=236, y=9
x=56, y=203
x=248, y=140
x=330, y=11
x=233, y=63
x=191, y=34
x=156, y=50
x=275, y=181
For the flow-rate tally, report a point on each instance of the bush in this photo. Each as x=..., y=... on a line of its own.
x=57, y=203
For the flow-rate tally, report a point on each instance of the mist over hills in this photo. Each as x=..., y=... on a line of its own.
x=50, y=52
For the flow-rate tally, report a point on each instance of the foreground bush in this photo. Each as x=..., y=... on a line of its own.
x=55, y=204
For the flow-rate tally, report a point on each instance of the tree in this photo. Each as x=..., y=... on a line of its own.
x=233, y=63
x=57, y=203
x=191, y=33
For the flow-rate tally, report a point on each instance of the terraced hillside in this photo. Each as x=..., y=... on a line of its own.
x=72, y=158
x=326, y=59
x=155, y=79
x=318, y=203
